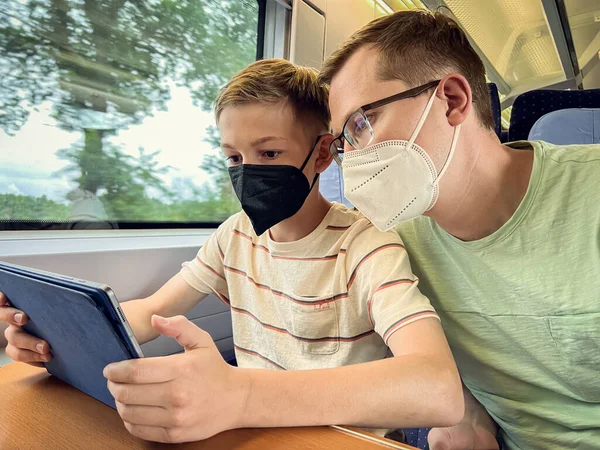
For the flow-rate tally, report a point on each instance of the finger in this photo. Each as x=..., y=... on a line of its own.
x=3, y=299
x=35, y=364
x=26, y=356
x=20, y=339
x=153, y=416
x=143, y=394
x=143, y=370
x=155, y=434
x=185, y=332
x=12, y=315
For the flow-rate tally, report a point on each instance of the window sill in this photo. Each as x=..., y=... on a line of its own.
x=18, y=243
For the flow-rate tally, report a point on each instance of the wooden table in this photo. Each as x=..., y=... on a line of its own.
x=38, y=411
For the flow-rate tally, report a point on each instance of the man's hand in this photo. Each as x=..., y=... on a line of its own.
x=178, y=398
x=21, y=346
x=462, y=437
x=476, y=431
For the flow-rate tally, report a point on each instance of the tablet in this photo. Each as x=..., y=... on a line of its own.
x=81, y=321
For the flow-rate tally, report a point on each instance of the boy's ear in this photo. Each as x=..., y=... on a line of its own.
x=324, y=156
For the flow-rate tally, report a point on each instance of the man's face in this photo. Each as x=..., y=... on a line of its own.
x=358, y=84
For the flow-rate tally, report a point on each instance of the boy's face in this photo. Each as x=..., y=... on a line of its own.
x=271, y=135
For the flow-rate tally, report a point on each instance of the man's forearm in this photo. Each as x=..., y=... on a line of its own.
x=404, y=391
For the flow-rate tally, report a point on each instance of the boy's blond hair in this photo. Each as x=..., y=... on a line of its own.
x=277, y=81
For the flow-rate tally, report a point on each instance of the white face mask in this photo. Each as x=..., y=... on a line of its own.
x=394, y=181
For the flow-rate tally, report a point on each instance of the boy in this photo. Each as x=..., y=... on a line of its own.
x=311, y=285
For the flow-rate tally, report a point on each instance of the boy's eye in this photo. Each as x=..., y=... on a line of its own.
x=271, y=154
x=233, y=160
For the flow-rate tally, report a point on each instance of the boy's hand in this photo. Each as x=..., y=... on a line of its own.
x=21, y=346
x=178, y=398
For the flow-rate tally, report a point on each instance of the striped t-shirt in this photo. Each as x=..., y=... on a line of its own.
x=332, y=298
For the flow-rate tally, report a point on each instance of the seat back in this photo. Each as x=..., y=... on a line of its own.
x=530, y=106
x=568, y=126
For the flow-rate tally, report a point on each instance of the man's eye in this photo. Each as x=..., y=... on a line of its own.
x=358, y=124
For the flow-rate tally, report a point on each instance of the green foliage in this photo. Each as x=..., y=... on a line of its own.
x=31, y=208
x=113, y=58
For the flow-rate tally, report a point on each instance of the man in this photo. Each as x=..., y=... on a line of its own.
x=505, y=238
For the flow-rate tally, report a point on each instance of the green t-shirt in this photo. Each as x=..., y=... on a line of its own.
x=521, y=307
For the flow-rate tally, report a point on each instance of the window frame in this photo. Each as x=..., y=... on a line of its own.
x=9, y=226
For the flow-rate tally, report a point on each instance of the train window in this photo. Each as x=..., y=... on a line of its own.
x=105, y=110
x=584, y=21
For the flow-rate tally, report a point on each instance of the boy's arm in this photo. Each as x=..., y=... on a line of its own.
x=192, y=396
x=418, y=387
x=197, y=279
x=175, y=297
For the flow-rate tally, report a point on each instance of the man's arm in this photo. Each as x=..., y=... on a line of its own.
x=175, y=297
x=419, y=386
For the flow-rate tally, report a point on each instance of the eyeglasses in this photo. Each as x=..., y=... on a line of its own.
x=357, y=130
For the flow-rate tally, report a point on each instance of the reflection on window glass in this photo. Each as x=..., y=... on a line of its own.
x=584, y=20
x=105, y=108
x=514, y=37
x=505, y=117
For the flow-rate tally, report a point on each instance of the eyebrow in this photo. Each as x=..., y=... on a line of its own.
x=257, y=141
x=346, y=117
x=334, y=132
x=266, y=139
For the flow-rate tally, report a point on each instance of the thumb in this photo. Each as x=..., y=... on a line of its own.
x=185, y=332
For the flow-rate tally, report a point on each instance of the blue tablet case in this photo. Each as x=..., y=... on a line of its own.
x=81, y=338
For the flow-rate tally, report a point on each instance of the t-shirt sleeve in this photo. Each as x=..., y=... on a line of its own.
x=379, y=268
x=205, y=272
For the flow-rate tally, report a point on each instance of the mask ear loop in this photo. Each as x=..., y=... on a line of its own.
x=450, y=154
x=418, y=130
x=412, y=139
x=308, y=158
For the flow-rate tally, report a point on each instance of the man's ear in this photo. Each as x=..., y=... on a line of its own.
x=456, y=91
x=324, y=156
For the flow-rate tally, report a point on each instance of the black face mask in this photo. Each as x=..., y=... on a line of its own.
x=271, y=194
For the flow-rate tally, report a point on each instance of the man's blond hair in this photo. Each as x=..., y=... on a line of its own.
x=277, y=81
